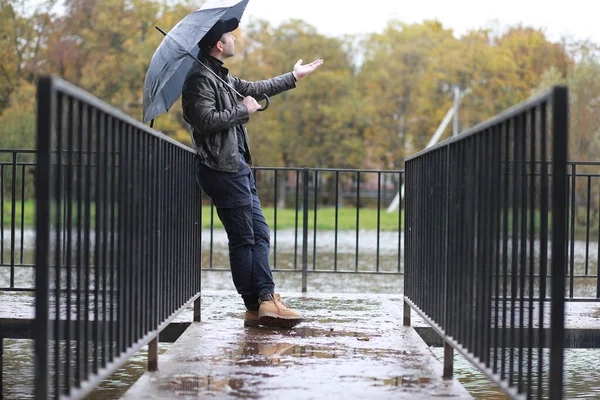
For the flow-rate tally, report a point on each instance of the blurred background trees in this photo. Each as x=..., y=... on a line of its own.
x=377, y=99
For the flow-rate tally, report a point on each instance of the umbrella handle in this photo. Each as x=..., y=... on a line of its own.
x=264, y=108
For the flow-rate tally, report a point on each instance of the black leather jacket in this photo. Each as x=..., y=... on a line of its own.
x=214, y=112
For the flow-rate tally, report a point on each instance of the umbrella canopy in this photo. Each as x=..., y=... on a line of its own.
x=171, y=61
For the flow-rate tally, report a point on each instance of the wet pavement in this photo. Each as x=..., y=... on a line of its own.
x=351, y=346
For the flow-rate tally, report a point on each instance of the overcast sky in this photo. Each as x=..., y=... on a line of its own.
x=577, y=18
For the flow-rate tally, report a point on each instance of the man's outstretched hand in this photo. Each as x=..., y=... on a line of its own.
x=300, y=71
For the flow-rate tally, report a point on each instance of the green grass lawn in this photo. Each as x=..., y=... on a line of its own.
x=28, y=210
x=286, y=218
x=28, y=216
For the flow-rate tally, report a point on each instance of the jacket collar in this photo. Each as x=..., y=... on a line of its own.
x=215, y=65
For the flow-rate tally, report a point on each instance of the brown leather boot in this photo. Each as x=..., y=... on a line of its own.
x=251, y=318
x=273, y=312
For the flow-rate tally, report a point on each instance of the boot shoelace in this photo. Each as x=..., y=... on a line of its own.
x=278, y=300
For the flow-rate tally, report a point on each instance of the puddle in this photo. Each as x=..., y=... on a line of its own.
x=396, y=381
x=307, y=332
x=197, y=386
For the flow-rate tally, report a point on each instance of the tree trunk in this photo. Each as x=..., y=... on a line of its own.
x=282, y=181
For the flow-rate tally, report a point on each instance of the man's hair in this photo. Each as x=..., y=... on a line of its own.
x=214, y=34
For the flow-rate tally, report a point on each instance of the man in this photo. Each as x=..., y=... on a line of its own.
x=218, y=123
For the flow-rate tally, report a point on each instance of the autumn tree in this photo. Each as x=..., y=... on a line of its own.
x=316, y=125
x=22, y=38
x=377, y=98
x=532, y=54
x=406, y=83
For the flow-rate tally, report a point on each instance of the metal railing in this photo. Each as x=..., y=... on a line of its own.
x=17, y=169
x=118, y=220
x=583, y=225
x=90, y=144
x=325, y=212
x=480, y=266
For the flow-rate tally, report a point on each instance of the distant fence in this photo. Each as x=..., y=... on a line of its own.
x=118, y=220
x=480, y=265
x=583, y=226
x=335, y=221
x=372, y=245
x=17, y=173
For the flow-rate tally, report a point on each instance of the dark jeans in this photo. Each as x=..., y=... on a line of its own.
x=236, y=200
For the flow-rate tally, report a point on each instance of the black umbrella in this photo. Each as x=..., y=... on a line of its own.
x=174, y=57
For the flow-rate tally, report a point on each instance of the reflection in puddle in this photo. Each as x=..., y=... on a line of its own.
x=266, y=354
x=194, y=385
x=263, y=354
x=305, y=332
x=245, y=385
x=398, y=381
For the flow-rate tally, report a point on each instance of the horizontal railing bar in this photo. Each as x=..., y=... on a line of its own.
x=377, y=273
x=25, y=151
x=535, y=101
x=293, y=169
x=17, y=265
x=594, y=163
x=547, y=300
x=347, y=272
x=18, y=164
x=81, y=95
x=396, y=171
x=20, y=290
x=33, y=151
x=582, y=175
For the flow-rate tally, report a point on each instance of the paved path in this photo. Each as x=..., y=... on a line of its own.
x=352, y=346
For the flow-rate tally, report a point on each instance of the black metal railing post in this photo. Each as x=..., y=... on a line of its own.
x=13, y=218
x=305, y=194
x=560, y=141
x=571, y=211
x=315, y=214
x=1, y=368
x=45, y=125
x=448, y=372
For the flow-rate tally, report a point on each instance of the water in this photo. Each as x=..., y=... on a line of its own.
x=582, y=375
x=123, y=378
x=18, y=371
